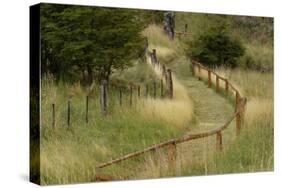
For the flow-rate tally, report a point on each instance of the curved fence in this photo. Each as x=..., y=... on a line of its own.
x=240, y=103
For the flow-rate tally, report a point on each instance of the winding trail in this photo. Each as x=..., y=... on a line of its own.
x=210, y=108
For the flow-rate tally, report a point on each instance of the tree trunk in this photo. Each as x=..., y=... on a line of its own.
x=90, y=75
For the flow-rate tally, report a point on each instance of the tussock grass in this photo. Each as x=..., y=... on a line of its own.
x=175, y=112
x=167, y=50
x=253, y=149
x=178, y=111
x=69, y=154
x=250, y=152
x=258, y=57
x=250, y=83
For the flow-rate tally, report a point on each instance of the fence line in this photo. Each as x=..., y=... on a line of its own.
x=240, y=103
x=103, y=90
x=165, y=73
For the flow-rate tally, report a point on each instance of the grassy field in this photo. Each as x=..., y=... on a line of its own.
x=70, y=154
x=252, y=151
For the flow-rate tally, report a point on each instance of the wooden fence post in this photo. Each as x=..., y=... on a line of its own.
x=131, y=95
x=209, y=79
x=219, y=141
x=170, y=83
x=68, y=113
x=226, y=86
x=103, y=96
x=237, y=100
x=54, y=115
x=164, y=71
x=217, y=83
x=87, y=107
x=120, y=97
x=172, y=156
x=161, y=88
x=154, y=57
x=238, y=115
x=138, y=91
x=154, y=89
x=238, y=123
x=242, y=109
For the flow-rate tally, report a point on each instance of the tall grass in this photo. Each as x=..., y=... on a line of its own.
x=167, y=50
x=257, y=57
x=69, y=154
x=253, y=149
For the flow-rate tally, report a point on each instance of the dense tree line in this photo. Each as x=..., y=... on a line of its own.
x=89, y=43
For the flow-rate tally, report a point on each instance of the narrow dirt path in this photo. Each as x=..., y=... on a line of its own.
x=210, y=108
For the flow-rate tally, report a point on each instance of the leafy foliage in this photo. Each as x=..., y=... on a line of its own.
x=216, y=47
x=88, y=43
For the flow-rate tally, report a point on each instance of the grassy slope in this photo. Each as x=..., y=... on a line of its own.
x=258, y=45
x=69, y=155
x=210, y=110
x=253, y=150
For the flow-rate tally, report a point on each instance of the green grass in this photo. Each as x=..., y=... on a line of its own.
x=69, y=154
x=250, y=152
x=257, y=57
x=253, y=150
x=256, y=41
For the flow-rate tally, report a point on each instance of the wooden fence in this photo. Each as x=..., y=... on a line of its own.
x=240, y=103
x=125, y=93
x=166, y=74
x=147, y=90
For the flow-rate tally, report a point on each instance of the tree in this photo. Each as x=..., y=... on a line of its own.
x=216, y=47
x=89, y=42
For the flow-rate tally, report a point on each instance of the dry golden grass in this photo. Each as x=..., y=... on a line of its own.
x=162, y=52
x=258, y=109
x=156, y=36
x=49, y=89
x=166, y=49
x=177, y=112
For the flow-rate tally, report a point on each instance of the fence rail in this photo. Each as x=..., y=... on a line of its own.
x=240, y=103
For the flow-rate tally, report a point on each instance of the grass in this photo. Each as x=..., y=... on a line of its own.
x=70, y=154
x=253, y=150
x=166, y=49
x=258, y=45
x=257, y=57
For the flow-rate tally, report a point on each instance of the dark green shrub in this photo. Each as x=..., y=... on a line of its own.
x=216, y=49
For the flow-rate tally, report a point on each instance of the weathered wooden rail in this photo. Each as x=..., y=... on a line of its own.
x=240, y=103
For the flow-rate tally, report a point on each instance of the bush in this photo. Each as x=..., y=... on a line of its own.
x=216, y=49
